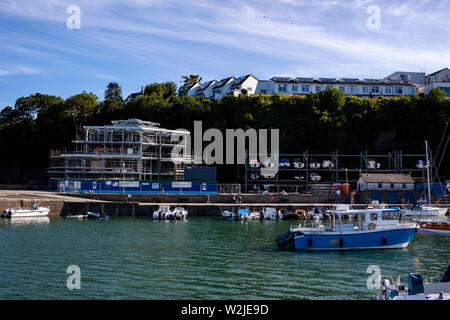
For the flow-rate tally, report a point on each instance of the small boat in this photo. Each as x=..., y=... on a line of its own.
x=285, y=163
x=416, y=289
x=228, y=215
x=420, y=210
x=268, y=164
x=372, y=164
x=298, y=164
x=314, y=164
x=420, y=165
x=285, y=214
x=254, y=176
x=315, y=177
x=244, y=214
x=299, y=177
x=435, y=227
x=97, y=215
x=37, y=211
x=268, y=176
x=327, y=164
x=256, y=214
x=374, y=229
x=270, y=214
x=180, y=213
x=161, y=213
x=302, y=214
x=254, y=163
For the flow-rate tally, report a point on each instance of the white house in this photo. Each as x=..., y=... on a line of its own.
x=223, y=87
x=288, y=86
x=248, y=82
x=205, y=90
x=385, y=182
x=439, y=79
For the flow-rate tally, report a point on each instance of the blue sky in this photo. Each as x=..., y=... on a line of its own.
x=138, y=42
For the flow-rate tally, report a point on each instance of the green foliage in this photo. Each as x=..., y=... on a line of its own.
x=165, y=90
x=113, y=92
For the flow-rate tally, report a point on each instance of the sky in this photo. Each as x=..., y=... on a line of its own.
x=137, y=42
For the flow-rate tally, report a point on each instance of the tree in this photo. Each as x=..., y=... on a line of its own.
x=190, y=80
x=165, y=90
x=113, y=92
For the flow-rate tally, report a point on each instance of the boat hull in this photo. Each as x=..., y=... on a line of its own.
x=375, y=239
x=20, y=213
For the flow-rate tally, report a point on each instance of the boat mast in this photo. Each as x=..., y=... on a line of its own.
x=428, y=172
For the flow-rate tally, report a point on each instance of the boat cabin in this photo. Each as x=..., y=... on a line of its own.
x=366, y=219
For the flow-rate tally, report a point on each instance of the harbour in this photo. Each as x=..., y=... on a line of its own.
x=202, y=258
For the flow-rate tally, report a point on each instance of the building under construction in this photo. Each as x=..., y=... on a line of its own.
x=127, y=150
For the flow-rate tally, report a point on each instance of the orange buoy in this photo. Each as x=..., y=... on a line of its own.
x=416, y=259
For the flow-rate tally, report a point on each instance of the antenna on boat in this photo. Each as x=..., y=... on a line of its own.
x=428, y=172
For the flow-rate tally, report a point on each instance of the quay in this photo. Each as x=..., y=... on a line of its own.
x=143, y=205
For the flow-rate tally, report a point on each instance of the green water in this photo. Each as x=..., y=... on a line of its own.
x=202, y=258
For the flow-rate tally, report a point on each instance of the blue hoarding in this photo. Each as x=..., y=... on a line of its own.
x=133, y=186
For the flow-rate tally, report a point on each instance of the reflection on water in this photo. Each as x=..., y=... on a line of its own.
x=28, y=220
x=202, y=258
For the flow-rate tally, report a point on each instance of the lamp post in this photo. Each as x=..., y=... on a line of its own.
x=123, y=182
x=346, y=175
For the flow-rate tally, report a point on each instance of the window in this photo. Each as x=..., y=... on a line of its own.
x=217, y=91
x=392, y=186
x=365, y=89
x=282, y=88
x=318, y=88
x=412, y=91
x=404, y=186
x=352, y=89
x=249, y=89
x=376, y=89
x=342, y=88
x=294, y=88
x=380, y=186
x=263, y=91
x=374, y=216
x=305, y=88
x=390, y=216
x=398, y=90
x=388, y=90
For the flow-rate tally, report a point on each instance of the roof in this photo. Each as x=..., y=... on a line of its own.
x=206, y=85
x=242, y=79
x=386, y=178
x=432, y=74
x=223, y=82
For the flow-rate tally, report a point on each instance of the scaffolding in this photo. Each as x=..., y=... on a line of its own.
x=128, y=149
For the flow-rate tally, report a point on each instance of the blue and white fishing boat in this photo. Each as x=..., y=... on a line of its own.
x=374, y=228
x=97, y=215
x=244, y=214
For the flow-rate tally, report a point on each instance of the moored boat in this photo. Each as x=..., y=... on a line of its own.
x=420, y=210
x=244, y=214
x=416, y=289
x=374, y=229
x=435, y=227
x=228, y=215
x=180, y=213
x=36, y=211
x=97, y=215
x=270, y=214
x=161, y=213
